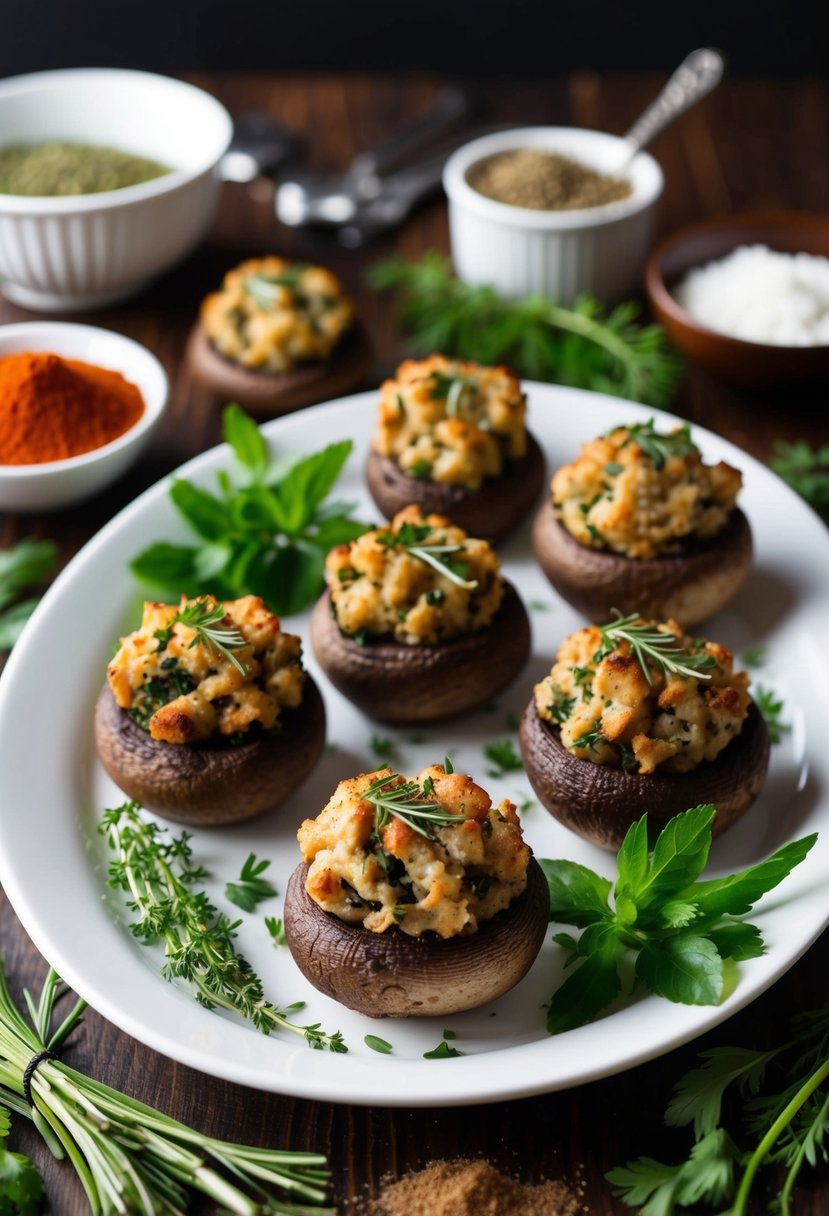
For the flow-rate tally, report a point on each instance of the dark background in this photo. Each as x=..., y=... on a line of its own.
x=459, y=37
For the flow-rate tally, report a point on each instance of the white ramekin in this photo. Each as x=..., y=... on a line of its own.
x=520, y=251
x=85, y=251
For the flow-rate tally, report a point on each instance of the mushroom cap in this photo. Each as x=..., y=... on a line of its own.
x=204, y=785
x=490, y=513
x=689, y=586
x=268, y=393
x=392, y=974
x=600, y=803
x=394, y=682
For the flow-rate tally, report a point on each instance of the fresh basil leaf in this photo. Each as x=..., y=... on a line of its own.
x=679, y=856
x=210, y=561
x=632, y=859
x=578, y=896
x=237, y=572
x=206, y=515
x=294, y=577
x=590, y=987
x=308, y=483
x=23, y=565
x=738, y=940
x=247, y=441
x=169, y=566
x=13, y=620
x=737, y=894
x=255, y=508
x=686, y=969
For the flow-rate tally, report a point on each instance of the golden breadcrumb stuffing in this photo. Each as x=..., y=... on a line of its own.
x=609, y=713
x=643, y=494
x=272, y=315
x=183, y=690
x=382, y=586
x=451, y=421
x=444, y=879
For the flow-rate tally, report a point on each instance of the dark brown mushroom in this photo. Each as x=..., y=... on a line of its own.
x=690, y=587
x=393, y=974
x=207, y=785
x=394, y=682
x=600, y=803
x=491, y=512
x=268, y=394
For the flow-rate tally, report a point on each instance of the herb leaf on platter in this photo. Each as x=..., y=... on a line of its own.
x=677, y=928
x=22, y=566
x=771, y=707
x=586, y=345
x=251, y=888
x=266, y=533
x=806, y=470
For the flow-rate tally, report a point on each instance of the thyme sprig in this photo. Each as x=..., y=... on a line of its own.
x=660, y=447
x=160, y=881
x=392, y=795
x=651, y=645
x=414, y=539
x=128, y=1156
x=203, y=619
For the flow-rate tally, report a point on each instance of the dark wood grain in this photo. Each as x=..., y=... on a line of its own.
x=751, y=144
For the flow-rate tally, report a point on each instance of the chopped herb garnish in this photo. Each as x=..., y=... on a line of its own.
x=377, y=1044
x=414, y=538
x=538, y=606
x=771, y=707
x=594, y=533
x=443, y=1051
x=251, y=888
x=590, y=739
x=265, y=289
x=651, y=645
x=755, y=656
x=659, y=448
x=384, y=748
x=561, y=706
x=613, y=469
x=276, y=929
x=504, y=758
x=421, y=470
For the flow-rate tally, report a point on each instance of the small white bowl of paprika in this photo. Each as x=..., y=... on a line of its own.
x=78, y=405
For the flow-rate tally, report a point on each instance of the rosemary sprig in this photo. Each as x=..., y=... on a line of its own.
x=585, y=345
x=159, y=879
x=414, y=539
x=392, y=795
x=454, y=390
x=652, y=645
x=202, y=619
x=264, y=288
x=128, y=1156
x=660, y=447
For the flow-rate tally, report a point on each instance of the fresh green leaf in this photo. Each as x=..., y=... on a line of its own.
x=698, y=1095
x=679, y=856
x=308, y=483
x=591, y=986
x=21, y=1186
x=377, y=1044
x=806, y=469
x=171, y=566
x=660, y=1190
x=251, y=888
x=754, y=656
x=247, y=441
x=578, y=896
x=633, y=858
x=737, y=894
x=23, y=565
x=276, y=928
x=13, y=620
x=771, y=707
x=503, y=757
x=686, y=968
x=738, y=940
x=206, y=514
x=677, y=913
x=443, y=1051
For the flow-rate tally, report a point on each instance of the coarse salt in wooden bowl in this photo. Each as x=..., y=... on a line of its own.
x=756, y=365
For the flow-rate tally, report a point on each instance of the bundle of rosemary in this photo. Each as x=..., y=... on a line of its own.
x=585, y=346
x=129, y=1157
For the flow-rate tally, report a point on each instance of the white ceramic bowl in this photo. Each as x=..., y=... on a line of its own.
x=520, y=251
x=60, y=483
x=86, y=251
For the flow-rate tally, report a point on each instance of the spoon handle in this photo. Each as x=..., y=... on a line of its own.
x=695, y=77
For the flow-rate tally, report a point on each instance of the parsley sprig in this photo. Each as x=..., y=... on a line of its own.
x=414, y=538
x=203, y=616
x=652, y=646
x=680, y=929
x=661, y=447
x=392, y=795
x=585, y=345
x=160, y=881
x=784, y=1092
x=250, y=888
x=265, y=534
x=806, y=469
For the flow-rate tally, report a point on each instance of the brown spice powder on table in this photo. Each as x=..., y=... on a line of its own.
x=473, y=1188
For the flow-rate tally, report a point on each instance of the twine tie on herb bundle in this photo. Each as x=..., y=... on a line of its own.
x=31, y=1069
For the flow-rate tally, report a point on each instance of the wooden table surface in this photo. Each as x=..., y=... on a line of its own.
x=753, y=144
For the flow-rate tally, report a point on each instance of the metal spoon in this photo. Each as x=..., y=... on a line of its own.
x=694, y=79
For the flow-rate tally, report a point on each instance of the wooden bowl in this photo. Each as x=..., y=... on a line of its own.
x=392, y=974
x=393, y=682
x=266, y=395
x=600, y=803
x=746, y=364
x=206, y=786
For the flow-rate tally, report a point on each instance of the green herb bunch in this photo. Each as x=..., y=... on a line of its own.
x=266, y=535
x=679, y=930
x=128, y=1156
x=806, y=469
x=24, y=565
x=782, y=1114
x=160, y=881
x=585, y=345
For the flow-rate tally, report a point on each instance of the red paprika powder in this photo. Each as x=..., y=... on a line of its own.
x=52, y=408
